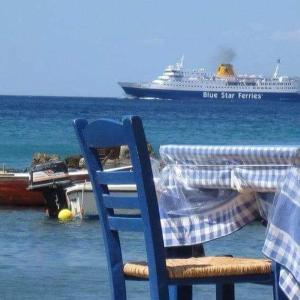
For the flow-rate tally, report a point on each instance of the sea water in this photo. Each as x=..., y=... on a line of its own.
x=45, y=259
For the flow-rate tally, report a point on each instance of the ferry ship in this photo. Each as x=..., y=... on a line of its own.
x=178, y=83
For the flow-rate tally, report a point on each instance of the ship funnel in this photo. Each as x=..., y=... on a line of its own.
x=275, y=75
x=225, y=70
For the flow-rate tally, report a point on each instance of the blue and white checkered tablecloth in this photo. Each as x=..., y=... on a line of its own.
x=206, y=192
x=238, y=167
x=226, y=212
x=282, y=242
x=220, y=155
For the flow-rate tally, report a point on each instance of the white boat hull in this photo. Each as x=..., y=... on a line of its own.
x=81, y=200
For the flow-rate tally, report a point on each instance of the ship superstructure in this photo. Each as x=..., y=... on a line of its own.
x=176, y=82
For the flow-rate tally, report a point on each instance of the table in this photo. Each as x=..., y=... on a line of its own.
x=206, y=192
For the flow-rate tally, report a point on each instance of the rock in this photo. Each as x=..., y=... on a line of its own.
x=151, y=151
x=124, y=152
x=73, y=161
x=41, y=158
x=82, y=164
x=110, y=157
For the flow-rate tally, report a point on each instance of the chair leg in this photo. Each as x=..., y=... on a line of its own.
x=118, y=293
x=182, y=292
x=277, y=292
x=225, y=291
x=118, y=290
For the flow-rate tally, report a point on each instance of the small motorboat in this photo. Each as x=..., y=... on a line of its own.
x=51, y=179
x=81, y=200
x=14, y=192
x=14, y=188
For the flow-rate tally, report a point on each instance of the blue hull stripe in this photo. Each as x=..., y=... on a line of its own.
x=171, y=94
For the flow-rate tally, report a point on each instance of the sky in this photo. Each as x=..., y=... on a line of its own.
x=83, y=48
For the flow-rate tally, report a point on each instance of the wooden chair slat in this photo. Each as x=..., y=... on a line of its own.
x=122, y=223
x=121, y=202
x=118, y=177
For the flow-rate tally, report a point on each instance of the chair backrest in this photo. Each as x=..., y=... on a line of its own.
x=105, y=133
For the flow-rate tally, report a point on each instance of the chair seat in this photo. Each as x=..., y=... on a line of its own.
x=202, y=267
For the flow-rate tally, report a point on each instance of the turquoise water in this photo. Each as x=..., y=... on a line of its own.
x=32, y=124
x=43, y=259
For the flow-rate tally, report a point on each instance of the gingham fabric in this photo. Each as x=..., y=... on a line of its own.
x=207, y=223
x=236, y=167
x=228, y=155
x=206, y=192
x=259, y=179
x=264, y=203
x=283, y=235
x=195, y=176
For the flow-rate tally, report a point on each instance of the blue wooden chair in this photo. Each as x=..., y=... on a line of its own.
x=158, y=270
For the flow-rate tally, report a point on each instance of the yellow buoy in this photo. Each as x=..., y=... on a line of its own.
x=65, y=215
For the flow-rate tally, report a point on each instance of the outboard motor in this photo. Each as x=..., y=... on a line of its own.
x=51, y=179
